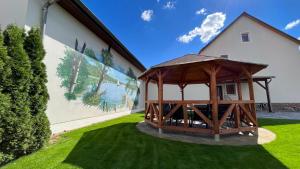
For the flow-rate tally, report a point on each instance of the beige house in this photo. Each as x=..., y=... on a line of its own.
x=252, y=40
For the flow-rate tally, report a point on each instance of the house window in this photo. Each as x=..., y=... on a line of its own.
x=245, y=37
x=230, y=89
x=224, y=56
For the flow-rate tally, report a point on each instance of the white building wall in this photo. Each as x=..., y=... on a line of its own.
x=13, y=12
x=61, y=32
x=172, y=92
x=265, y=46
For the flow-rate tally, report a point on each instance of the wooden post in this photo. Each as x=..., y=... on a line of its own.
x=239, y=89
x=160, y=100
x=251, y=95
x=182, y=86
x=146, y=95
x=214, y=101
x=240, y=97
x=268, y=95
x=185, y=115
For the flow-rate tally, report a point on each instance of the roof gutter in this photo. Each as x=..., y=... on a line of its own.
x=45, y=9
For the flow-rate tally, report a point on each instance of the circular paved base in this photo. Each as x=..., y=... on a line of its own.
x=264, y=136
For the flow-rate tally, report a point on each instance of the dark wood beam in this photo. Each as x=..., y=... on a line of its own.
x=268, y=95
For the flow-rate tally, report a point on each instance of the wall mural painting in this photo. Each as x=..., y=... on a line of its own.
x=96, y=81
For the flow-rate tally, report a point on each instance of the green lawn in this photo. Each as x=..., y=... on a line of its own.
x=118, y=144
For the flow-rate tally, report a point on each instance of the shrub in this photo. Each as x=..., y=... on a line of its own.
x=4, y=101
x=6, y=124
x=38, y=92
x=19, y=137
x=24, y=126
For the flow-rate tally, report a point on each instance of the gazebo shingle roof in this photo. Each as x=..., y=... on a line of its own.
x=191, y=67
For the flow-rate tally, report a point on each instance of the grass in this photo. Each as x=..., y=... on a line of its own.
x=118, y=144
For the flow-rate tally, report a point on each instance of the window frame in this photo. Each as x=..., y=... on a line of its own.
x=248, y=37
x=235, y=89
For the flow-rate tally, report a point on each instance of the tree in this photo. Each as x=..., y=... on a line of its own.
x=38, y=93
x=93, y=97
x=5, y=70
x=6, y=119
x=108, y=62
x=76, y=63
x=65, y=72
x=18, y=137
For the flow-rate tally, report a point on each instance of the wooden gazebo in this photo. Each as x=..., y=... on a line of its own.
x=211, y=117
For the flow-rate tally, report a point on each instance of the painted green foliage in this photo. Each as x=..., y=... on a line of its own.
x=93, y=97
x=93, y=79
x=132, y=85
x=65, y=72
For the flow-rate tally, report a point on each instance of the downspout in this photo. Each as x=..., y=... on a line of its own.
x=44, y=15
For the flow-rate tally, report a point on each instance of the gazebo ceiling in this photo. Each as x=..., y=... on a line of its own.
x=192, y=68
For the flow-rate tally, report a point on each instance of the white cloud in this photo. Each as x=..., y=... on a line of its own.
x=169, y=5
x=209, y=28
x=292, y=24
x=299, y=38
x=201, y=12
x=147, y=15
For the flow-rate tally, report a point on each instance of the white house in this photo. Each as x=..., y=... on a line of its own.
x=250, y=39
x=82, y=89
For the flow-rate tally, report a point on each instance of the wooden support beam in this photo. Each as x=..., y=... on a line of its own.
x=146, y=95
x=248, y=114
x=207, y=70
x=170, y=114
x=268, y=96
x=151, y=113
x=214, y=100
x=237, y=116
x=155, y=110
x=147, y=111
x=201, y=115
x=160, y=98
x=261, y=85
x=218, y=68
x=239, y=89
x=246, y=72
x=251, y=95
x=226, y=114
x=182, y=86
x=266, y=87
x=185, y=116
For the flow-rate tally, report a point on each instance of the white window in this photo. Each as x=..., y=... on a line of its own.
x=245, y=37
x=230, y=89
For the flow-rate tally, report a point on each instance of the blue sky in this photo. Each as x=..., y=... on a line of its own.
x=154, y=37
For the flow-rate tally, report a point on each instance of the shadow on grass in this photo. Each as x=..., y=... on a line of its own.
x=123, y=146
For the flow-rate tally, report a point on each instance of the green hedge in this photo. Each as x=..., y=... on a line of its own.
x=24, y=127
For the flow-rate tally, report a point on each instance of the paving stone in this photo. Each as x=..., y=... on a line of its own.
x=279, y=115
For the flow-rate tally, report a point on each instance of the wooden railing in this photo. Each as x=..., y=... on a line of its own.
x=239, y=116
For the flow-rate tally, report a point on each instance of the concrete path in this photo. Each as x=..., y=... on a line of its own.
x=280, y=115
x=262, y=137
